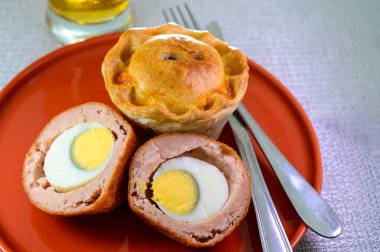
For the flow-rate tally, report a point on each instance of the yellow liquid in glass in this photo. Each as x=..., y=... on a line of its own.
x=88, y=11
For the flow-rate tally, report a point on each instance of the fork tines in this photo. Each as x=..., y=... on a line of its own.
x=184, y=20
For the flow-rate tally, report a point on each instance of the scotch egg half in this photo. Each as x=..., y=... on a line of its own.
x=78, y=164
x=190, y=187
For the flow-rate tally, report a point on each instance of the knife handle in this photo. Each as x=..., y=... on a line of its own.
x=310, y=206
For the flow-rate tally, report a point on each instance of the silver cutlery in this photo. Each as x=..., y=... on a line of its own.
x=310, y=206
x=272, y=234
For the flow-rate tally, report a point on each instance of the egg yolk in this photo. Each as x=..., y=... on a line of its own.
x=176, y=191
x=90, y=149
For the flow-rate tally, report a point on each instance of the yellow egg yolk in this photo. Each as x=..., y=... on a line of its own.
x=90, y=149
x=176, y=191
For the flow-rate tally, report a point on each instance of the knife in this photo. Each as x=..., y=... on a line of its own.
x=310, y=206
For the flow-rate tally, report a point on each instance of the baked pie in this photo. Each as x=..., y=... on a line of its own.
x=169, y=78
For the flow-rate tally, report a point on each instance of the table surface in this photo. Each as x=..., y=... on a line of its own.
x=326, y=52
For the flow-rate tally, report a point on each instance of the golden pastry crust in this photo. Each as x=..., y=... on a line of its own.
x=170, y=78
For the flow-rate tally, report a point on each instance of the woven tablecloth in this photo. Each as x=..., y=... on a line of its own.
x=326, y=52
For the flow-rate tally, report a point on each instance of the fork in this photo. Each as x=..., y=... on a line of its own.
x=310, y=206
x=272, y=234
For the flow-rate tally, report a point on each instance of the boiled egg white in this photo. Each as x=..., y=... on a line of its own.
x=78, y=155
x=189, y=189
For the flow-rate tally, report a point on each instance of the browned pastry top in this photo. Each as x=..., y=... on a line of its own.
x=197, y=67
x=173, y=73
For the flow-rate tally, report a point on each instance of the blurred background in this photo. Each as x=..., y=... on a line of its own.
x=326, y=52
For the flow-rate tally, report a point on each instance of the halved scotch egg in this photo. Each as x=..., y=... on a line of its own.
x=190, y=187
x=78, y=163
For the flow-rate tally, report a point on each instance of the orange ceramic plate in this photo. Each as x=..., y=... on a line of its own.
x=70, y=76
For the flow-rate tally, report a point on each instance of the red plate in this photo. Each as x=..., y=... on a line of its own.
x=70, y=76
